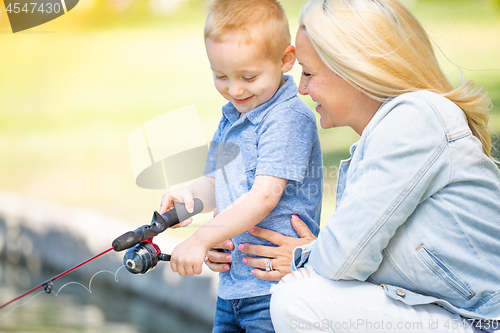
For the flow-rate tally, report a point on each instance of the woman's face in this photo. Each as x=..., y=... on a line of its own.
x=338, y=102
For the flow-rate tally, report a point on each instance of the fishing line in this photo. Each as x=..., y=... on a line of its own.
x=18, y=306
x=89, y=289
x=47, y=285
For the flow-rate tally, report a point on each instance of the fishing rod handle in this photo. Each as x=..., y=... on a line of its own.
x=180, y=213
x=159, y=224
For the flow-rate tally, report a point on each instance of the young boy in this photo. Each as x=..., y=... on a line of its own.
x=275, y=170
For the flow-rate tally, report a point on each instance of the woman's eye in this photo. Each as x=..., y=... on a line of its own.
x=306, y=74
x=249, y=79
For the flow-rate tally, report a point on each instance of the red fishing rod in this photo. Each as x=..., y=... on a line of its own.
x=142, y=255
x=48, y=284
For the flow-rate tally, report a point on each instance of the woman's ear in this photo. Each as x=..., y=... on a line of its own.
x=288, y=59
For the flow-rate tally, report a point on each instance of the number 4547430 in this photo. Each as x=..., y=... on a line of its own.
x=483, y=323
x=35, y=8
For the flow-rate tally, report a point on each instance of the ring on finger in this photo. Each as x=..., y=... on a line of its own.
x=207, y=260
x=269, y=265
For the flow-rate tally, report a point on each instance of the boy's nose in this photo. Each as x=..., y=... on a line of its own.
x=236, y=90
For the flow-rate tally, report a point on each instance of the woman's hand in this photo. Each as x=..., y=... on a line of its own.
x=220, y=261
x=281, y=255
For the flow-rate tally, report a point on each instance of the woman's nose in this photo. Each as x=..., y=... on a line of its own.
x=303, y=88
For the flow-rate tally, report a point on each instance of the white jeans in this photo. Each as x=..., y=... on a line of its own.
x=308, y=304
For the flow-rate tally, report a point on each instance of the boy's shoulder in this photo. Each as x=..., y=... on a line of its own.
x=291, y=108
x=287, y=104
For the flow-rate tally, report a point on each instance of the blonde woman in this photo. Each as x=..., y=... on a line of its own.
x=414, y=244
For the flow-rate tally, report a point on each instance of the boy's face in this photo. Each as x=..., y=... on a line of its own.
x=242, y=74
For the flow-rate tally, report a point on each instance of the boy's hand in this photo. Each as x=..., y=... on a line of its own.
x=187, y=258
x=219, y=261
x=178, y=196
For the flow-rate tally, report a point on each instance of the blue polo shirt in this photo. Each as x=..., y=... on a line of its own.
x=278, y=138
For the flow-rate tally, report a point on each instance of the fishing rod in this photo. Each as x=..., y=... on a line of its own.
x=48, y=284
x=142, y=254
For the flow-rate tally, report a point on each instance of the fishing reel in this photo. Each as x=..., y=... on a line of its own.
x=142, y=254
x=143, y=257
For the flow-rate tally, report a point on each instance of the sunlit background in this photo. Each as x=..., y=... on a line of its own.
x=72, y=90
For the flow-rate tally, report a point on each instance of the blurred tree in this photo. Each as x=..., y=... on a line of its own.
x=96, y=14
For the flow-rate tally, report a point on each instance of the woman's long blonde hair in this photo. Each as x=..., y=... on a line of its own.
x=380, y=46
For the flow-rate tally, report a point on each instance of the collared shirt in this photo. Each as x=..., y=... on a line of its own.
x=418, y=211
x=278, y=138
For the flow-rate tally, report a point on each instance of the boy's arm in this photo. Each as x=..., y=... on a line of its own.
x=244, y=213
x=247, y=211
x=203, y=188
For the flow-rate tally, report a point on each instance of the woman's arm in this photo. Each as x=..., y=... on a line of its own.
x=402, y=159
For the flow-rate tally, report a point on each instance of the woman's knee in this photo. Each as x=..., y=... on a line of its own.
x=288, y=296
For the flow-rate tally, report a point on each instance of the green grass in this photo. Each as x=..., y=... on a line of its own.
x=71, y=91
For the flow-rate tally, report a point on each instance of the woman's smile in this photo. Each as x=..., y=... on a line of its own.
x=317, y=107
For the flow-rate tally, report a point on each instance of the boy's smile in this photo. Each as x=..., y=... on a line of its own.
x=243, y=101
x=242, y=73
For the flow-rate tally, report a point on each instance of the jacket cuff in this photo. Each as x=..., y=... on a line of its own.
x=300, y=256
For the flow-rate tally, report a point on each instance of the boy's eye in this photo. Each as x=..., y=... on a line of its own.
x=306, y=74
x=220, y=77
x=249, y=79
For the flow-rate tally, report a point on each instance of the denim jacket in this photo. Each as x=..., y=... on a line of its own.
x=418, y=211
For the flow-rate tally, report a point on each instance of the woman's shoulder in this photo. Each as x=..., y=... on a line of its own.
x=407, y=122
x=420, y=111
x=426, y=101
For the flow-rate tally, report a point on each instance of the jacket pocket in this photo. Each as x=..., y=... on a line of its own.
x=444, y=272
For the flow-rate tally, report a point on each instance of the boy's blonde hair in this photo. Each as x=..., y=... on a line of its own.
x=262, y=22
x=380, y=46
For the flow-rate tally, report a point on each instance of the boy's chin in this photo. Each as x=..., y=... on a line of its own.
x=241, y=109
